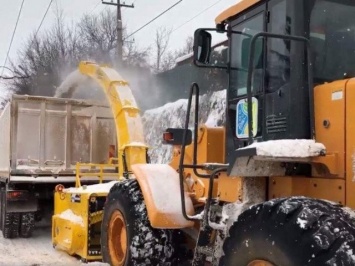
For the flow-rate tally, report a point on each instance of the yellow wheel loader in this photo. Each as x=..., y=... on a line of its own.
x=285, y=152
x=275, y=185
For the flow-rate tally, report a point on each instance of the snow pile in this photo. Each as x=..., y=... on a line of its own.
x=98, y=188
x=156, y=121
x=300, y=148
x=70, y=216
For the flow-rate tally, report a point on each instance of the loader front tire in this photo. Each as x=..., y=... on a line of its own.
x=126, y=235
x=294, y=231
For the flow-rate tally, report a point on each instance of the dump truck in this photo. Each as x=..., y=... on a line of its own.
x=283, y=163
x=41, y=141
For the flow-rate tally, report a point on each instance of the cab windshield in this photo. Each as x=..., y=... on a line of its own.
x=330, y=27
x=332, y=37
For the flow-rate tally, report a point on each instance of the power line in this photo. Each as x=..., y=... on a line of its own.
x=191, y=19
x=92, y=10
x=13, y=35
x=45, y=14
x=162, y=13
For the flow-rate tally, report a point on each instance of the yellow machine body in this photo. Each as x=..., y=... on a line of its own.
x=76, y=223
x=75, y=226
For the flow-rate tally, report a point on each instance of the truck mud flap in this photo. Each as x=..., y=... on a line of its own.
x=20, y=201
x=21, y=206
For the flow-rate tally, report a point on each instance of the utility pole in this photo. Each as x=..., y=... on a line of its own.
x=119, y=27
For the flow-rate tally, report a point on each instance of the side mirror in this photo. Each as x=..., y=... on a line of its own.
x=173, y=136
x=202, y=46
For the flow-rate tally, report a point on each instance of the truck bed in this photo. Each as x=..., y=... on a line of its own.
x=43, y=138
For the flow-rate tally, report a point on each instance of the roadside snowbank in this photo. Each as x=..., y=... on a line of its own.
x=156, y=121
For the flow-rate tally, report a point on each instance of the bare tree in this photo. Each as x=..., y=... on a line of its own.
x=99, y=36
x=168, y=58
x=48, y=58
x=134, y=56
x=161, y=42
x=187, y=48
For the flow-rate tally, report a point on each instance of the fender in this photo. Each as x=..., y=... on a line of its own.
x=161, y=192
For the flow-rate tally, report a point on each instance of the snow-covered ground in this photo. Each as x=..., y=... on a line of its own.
x=36, y=251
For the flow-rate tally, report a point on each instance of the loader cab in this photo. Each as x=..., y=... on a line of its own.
x=279, y=73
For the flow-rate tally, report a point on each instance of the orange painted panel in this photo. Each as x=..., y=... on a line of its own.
x=350, y=143
x=329, y=107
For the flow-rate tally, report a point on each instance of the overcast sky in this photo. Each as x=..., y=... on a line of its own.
x=145, y=10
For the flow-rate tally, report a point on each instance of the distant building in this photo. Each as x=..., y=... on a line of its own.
x=174, y=84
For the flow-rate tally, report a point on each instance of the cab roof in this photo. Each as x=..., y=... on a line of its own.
x=235, y=10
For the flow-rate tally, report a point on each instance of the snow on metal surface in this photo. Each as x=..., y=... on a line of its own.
x=300, y=148
x=220, y=49
x=198, y=216
x=183, y=58
x=70, y=216
x=253, y=193
x=165, y=190
x=98, y=188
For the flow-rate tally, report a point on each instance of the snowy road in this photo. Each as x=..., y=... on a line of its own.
x=35, y=251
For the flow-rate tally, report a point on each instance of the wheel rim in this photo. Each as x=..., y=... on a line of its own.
x=260, y=263
x=117, y=242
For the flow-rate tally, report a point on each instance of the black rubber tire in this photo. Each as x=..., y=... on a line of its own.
x=295, y=231
x=27, y=224
x=2, y=192
x=15, y=226
x=156, y=250
x=6, y=224
x=10, y=224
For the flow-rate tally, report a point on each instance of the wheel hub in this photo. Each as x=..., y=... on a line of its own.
x=117, y=242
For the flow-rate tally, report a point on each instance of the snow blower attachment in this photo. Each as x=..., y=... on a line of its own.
x=78, y=212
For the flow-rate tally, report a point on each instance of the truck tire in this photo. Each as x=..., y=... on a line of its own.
x=2, y=192
x=294, y=231
x=9, y=221
x=125, y=215
x=27, y=224
x=10, y=224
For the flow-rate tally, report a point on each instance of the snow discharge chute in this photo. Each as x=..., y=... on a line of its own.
x=126, y=114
